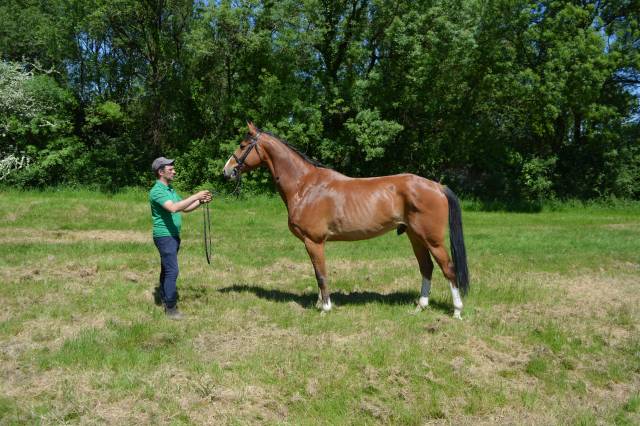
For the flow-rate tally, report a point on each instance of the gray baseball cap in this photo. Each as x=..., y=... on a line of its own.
x=160, y=162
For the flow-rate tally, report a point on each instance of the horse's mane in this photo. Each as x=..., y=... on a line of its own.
x=304, y=156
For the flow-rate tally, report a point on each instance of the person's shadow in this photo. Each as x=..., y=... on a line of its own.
x=308, y=300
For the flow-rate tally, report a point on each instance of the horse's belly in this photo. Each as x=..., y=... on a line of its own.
x=367, y=216
x=349, y=212
x=344, y=232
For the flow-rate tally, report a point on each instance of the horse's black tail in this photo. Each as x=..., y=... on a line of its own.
x=458, y=252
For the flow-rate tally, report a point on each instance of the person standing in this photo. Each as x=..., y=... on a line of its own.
x=166, y=206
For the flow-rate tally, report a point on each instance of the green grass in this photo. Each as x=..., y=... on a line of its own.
x=550, y=329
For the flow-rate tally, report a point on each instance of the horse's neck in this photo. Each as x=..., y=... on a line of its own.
x=287, y=168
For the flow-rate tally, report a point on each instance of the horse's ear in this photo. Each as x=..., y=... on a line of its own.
x=252, y=128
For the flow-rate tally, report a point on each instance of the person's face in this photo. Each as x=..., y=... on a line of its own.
x=168, y=172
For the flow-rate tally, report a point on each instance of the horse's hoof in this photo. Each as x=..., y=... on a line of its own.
x=325, y=307
x=456, y=314
x=421, y=305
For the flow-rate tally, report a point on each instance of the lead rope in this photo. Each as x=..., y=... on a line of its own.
x=207, y=233
x=238, y=187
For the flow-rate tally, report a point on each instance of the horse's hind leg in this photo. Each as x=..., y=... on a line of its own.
x=316, y=253
x=441, y=256
x=426, y=268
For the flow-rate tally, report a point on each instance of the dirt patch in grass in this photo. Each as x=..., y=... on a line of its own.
x=212, y=400
x=588, y=306
x=607, y=304
x=502, y=416
x=225, y=404
x=599, y=293
x=78, y=277
x=28, y=235
x=10, y=217
x=240, y=343
x=593, y=296
x=488, y=361
x=125, y=411
x=77, y=397
x=52, y=271
x=375, y=408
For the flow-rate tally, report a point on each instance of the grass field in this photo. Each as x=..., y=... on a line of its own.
x=550, y=332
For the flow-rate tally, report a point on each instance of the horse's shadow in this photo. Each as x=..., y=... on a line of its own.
x=308, y=300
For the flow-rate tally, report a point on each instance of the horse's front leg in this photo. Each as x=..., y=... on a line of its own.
x=316, y=253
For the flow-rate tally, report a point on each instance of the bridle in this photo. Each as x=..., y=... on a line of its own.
x=240, y=161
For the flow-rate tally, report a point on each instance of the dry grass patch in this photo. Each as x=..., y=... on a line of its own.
x=511, y=416
x=208, y=400
x=488, y=361
x=29, y=235
x=248, y=339
x=622, y=226
x=81, y=273
x=585, y=308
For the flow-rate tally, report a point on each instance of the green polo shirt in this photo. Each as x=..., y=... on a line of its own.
x=165, y=223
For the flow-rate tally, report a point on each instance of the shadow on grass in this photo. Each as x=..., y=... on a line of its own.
x=308, y=300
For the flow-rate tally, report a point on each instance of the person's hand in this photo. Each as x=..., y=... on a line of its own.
x=204, y=196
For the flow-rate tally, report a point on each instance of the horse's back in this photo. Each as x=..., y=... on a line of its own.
x=412, y=188
x=403, y=196
x=332, y=177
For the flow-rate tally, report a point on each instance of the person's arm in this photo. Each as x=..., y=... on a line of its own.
x=193, y=206
x=190, y=203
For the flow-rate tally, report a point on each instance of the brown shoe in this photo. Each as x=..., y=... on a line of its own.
x=173, y=313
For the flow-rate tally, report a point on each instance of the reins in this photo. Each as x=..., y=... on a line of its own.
x=238, y=187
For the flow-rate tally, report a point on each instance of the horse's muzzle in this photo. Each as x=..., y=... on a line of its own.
x=230, y=174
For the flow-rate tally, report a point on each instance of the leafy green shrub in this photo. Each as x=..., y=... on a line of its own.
x=536, y=178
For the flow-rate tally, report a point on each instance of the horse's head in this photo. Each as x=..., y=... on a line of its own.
x=246, y=157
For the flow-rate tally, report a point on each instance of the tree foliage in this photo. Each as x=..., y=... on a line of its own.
x=501, y=99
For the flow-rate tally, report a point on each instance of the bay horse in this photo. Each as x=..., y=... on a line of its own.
x=324, y=205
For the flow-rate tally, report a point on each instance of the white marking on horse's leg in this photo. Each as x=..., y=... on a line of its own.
x=457, y=301
x=424, y=293
x=319, y=301
x=326, y=307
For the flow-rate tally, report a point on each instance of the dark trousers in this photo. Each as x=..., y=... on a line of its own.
x=168, y=248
